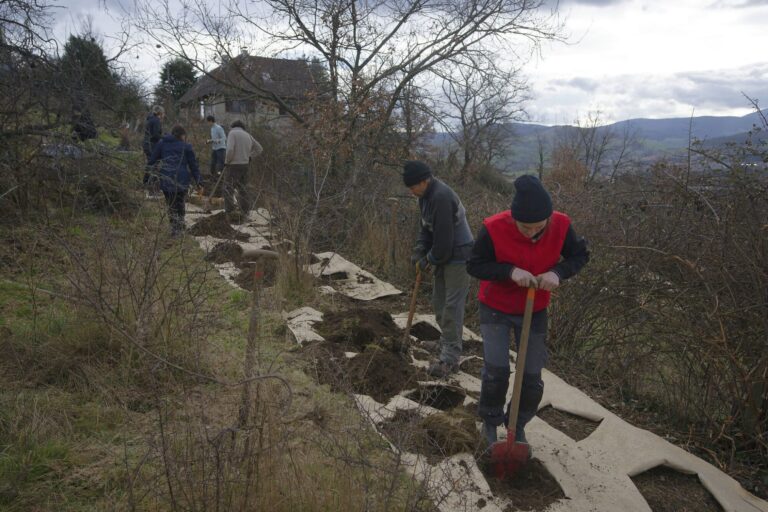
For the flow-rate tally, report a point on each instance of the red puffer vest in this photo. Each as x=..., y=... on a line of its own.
x=512, y=247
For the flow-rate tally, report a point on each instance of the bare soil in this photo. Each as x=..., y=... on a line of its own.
x=381, y=374
x=380, y=369
x=667, y=490
x=359, y=327
x=224, y=252
x=424, y=332
x=753, y=477
x=575, y=427
x=438, y=396
x=532, y=488
x=217, y=226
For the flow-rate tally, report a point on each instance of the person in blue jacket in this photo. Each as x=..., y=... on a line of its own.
x=153, y=132
x=179, y=167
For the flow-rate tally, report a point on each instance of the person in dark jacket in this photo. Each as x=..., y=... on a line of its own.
x=153, y=132
x=529, y=245
x=179, y=167
x=443, y=246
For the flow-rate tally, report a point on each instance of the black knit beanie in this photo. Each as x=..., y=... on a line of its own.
x=531, y=202
x=415, y=172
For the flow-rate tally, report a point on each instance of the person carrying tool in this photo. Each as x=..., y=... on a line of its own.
x=179, y=165
x=241, y=147
x=218, y=142
x=443, y=246
x=153, y=132
x=529, y=245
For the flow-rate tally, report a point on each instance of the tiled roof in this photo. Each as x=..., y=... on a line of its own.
x=244, y=74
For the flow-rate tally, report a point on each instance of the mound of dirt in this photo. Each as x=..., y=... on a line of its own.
x=360, y=327
x=247, y=278
x=217, y=226
x=381, y=374
x=667, y=490
x=224, y=252
x=532, y=488
x=436, y=437
x=376, y=372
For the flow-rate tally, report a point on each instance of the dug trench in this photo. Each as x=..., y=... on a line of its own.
x=217, y=226
x=381, y=367
x=259, y=270
x=381, y=370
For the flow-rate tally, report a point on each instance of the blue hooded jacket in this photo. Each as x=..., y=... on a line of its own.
x=179, y=162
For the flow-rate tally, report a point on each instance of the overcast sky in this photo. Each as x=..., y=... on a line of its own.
x=625, y=58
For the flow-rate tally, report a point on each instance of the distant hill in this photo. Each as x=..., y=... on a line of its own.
x=655, y=138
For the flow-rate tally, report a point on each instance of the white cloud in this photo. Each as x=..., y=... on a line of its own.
x=710, y=92
x=652, y=58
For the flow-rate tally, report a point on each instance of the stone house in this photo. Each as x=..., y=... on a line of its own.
x=242, y=88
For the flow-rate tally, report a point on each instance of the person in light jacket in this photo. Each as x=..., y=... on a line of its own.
x=218, y=142
x=238, y=192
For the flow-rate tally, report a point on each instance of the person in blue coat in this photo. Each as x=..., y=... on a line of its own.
x=179, y=168
x=153, y=132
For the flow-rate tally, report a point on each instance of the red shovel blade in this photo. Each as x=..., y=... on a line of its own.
x=508, y=457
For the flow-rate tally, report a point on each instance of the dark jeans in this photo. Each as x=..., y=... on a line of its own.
x=217, y=161
x=237, y=189
x=175, y=201
x=150, y=176
x=495, y=327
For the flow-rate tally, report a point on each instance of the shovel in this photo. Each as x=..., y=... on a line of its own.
x=412, y=310
x=507, y=457
x=207, y=203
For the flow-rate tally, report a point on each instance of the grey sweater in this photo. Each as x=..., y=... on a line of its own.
x=445, y=236
x=241, y=147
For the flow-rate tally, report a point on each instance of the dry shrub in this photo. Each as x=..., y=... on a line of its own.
x=673, y=308
x=283, y=458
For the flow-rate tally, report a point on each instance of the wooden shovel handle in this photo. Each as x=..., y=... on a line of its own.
x=412, y=309
x=514, y=404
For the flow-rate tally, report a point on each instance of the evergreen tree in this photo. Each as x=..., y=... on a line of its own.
x=86, y=72
x=176, y=77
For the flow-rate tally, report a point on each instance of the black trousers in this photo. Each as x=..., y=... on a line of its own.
x=175, y=201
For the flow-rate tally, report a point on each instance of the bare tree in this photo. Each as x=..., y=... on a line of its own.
x=373, y=51
x=600, y=149
x=480, y=99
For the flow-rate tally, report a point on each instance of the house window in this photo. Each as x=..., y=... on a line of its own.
x=240, y=106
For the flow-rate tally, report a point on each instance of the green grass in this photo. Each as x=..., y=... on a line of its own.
x=77, y=400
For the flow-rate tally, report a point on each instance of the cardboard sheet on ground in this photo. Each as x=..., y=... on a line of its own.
x=349, y=279
x=301, y=321
x=593, y=473
x=257, y=229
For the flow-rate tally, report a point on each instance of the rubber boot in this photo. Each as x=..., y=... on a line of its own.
x=490, y=433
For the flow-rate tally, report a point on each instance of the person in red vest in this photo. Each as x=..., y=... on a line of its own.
x=529, y=245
